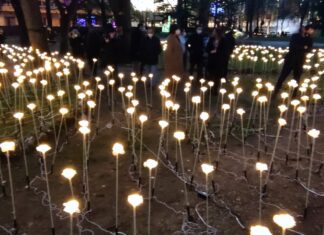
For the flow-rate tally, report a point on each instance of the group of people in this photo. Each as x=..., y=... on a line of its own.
x=208, y=56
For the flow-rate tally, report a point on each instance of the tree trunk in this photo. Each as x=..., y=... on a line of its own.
x=34, y=24
x=64, y=32
x=103, y=13
x=48, y=13
x=203, y=16
x=23, y=34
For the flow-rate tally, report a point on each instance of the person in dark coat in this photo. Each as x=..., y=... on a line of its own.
x=137, y=37
x=110, y=48
x=229, y=43
x=300, y=44
x=217, y=51
x=76, y=43
x=93, y=47
x=195, y=46
x=2, y=36
x=150, y=50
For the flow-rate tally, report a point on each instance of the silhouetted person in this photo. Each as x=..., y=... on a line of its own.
x=137, y=37
x=2, y=36
x=93, y=47
x=173, y=58
x=196, y=50
x=217, y=52
x=183, y=41
x=76, y=43
x=109, y=48
x=150, y=50
x=229, y=44
x=300, y=44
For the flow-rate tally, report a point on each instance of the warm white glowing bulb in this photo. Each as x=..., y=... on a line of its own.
x=101, y=87
x=91, y=104
x=71, y=207
x=207, y=168
x=284, y=95
x=226, y=107
x=240, y=111
x=135, y=199
x=259, y=166
x=317, y=97
x=231, y=96
x=150, y=163
x=168, y=104
x=295, y=102
x=130, y=110
x=163, y=124
x=63, y=111
x=196, y=99
x=314, y=133
x=282, y=122
x=282, y=108
x=285, y=221
x=84, y=123
x=7, y=146
x=43, y=148
x=179, y=135
x=118, y=149
x=259, y=230
x=84, y=130
x=18, y=115
x=143, y=118
x=204, y=116
x=68, y=173
x=31, y=106
x=222, y=91
x=301, y=109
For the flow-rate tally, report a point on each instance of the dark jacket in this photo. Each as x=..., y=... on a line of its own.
x=136, y=40
x=93, y=43
x=150, y=50
x=110, y=51
x=195, y=46
x=300, y=45
x=216, y=59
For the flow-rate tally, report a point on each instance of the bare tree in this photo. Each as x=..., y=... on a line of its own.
x=67, y=12
x=34, y=24
x=23, y=33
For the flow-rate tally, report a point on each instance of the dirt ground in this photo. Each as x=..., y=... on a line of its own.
x=233, y=204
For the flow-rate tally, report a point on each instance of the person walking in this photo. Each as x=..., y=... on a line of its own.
x=150, y=50
x=216, y=50
x=196, y=48
x=300, y=44
x=173, y=58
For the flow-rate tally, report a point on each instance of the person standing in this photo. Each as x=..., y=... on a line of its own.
x=76, y=43
x=195, y=46
x=150, y=50
x=110, y=49
x=93, y=47
x=137, y=37
x=173, y=58
x=216, y=50
x=229, y=43
x=300, y=44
